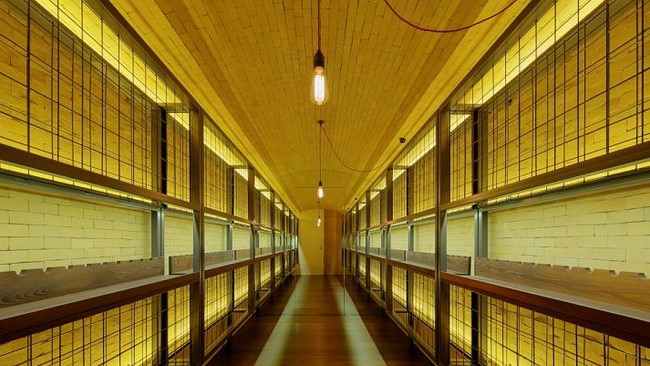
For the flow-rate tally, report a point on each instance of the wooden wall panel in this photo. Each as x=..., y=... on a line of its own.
x=36, y=284
x=333, y=236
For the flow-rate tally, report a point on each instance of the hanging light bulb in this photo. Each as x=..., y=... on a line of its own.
x=320, y=189
x=319, y=92
x=318, y=221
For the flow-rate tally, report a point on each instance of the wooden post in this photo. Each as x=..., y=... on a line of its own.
x=442, y=197
x=196, y=197
x=389, y=218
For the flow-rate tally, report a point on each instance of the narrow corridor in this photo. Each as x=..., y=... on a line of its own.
x=313, y=321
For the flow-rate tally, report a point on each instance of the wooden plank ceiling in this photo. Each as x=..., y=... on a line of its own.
x=249, y=63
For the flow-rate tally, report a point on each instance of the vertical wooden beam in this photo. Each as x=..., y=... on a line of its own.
x=409, y=190
x=196, y=196
x=389, y=219
x=282, y=240
x=367, y=234
x=479, y=166
x=389, y=196
x=368, y=210
x=253, y=212
x=442, y=197
x=252, y=218
x=479, y=146
x=230, y=189
x=272, y=224
x=159, y=171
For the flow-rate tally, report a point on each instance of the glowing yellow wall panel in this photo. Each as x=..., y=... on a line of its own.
x=600, y=231
x=460, y=236
x=39, y=230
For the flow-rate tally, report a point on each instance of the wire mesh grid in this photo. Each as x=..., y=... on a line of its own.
x=265, y=209
x=177, y=144
x=460, y=324
x=218, y=297
x=218, y=305
x=241, y=288
x=218, y=173
x=265, y=274
x=125, y=335
x=558, y=93
x=375, y=208
x=376, y=278
x=399, y=192
x=178, y=320
x=461, y=157
x=362, y=267
x=97, y=105
x=518, y=336
x=399, y=295
x=241, y=193
x=278, y=268
x=423, y=175
x=422, y=296
x=362, y=215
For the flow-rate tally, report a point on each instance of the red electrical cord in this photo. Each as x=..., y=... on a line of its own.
x=413, y=25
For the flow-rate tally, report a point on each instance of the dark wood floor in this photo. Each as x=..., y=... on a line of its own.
x=311, y=322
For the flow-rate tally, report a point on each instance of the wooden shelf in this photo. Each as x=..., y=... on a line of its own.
x=24, y=319
x=618, y=321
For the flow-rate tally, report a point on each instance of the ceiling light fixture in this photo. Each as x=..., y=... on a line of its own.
x=319, y=220
x=320, y=159
x=318, y=92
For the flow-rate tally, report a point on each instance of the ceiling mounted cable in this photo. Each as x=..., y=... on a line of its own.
x=452, y=30
x=329, y=142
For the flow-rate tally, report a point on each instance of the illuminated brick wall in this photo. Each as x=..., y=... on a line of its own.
x=460, y=236
x=40, y=231
x=179, y=237
x=606, y=231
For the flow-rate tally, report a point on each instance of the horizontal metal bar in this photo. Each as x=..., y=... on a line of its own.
x=49, y=166
x=224, y=267
x=626, y=180
x=19, y=181
x=409, y=266
x=612, y=160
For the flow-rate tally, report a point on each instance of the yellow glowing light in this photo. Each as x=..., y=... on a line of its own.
x=97, y=35
x=319, y=86
x=551, y=26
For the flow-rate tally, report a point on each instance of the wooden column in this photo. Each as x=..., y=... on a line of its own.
x=442, y=197
x=196, y=197
x=252, y=218
x=478, y=302
x=389, y=219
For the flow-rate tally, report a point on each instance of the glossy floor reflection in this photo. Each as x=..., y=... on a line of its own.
x=313, y=321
